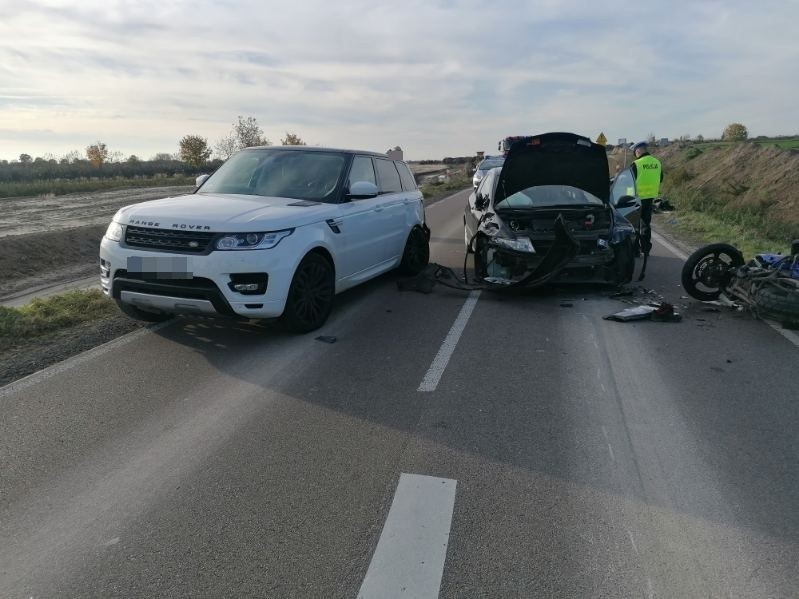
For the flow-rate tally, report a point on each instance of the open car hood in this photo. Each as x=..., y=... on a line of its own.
x=555, y=159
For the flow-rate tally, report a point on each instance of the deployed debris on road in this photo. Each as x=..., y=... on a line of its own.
x=637, y=313
x=435, y=274
x=663, y=312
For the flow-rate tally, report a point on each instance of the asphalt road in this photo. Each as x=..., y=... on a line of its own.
x=450, y=444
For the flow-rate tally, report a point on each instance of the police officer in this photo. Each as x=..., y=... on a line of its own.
x=648, y=174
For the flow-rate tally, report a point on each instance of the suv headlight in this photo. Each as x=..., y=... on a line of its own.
x=251, y=241
x=520, y=244
x=115, y=231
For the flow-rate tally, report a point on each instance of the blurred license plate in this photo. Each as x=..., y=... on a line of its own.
x=160, y=267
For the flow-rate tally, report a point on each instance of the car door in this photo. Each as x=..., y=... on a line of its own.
x=358, y=229
x=473, y=211
x=413, y=205
x=391, y=211
x=623, y=188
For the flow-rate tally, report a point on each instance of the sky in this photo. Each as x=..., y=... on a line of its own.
x=436, y=77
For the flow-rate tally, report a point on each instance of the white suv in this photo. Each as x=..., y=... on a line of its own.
x=276, y=231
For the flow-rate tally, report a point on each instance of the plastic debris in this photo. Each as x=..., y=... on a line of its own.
x=327, y=339
x=636, y=313
x=497, y=281
x=663, y=312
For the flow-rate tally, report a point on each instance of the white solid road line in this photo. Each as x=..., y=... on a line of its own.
x=410, y=555
x=70, y=363
x=789, y=335
x=669, y=246
x=433, y=376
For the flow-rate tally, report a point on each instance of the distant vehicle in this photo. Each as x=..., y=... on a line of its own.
x=505, y=143
x=549, y=214
x=275, y=232
x=486, y=165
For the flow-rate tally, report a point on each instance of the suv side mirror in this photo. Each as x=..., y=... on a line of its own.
x=626, y=202
x=361, y=190
x=201, y=179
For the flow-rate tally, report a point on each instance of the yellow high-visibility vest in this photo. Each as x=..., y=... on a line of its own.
x=648, y=169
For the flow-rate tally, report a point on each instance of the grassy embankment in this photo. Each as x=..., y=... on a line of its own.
x=435, y=190
x=746, y=194
x=790, y=143
x=43, y=317
x=64, y=186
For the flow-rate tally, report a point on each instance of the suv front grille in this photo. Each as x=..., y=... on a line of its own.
x=194, y=242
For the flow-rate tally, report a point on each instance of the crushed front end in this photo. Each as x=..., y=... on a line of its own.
x=535, y=247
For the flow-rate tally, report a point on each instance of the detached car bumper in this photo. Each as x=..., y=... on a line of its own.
x=200, y=284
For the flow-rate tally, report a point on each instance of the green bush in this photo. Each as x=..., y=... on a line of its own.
x=692, y=153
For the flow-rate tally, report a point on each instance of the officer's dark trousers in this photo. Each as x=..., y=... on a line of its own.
x=646, y=226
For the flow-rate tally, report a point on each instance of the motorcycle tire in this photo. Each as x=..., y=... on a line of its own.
x=778, y=303
x=690, y=278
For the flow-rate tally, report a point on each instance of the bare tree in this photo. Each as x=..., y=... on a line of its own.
x=249, y=133
x=226, y=146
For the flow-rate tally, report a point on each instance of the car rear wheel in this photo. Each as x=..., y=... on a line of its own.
x=311, y=295
x=417, y=253
x=143, y=315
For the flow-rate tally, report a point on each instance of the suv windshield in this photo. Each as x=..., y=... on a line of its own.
x=304, y=175
x=542, y=196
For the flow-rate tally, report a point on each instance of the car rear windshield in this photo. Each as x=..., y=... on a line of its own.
x=304, y=175
x=489, y=164
x=542, y=196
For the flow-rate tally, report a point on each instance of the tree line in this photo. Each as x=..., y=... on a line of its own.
x=193, y=157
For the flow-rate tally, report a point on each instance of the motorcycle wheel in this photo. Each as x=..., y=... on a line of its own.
x=707, y=270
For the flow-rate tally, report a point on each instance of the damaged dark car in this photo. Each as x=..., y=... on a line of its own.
x=547, y=216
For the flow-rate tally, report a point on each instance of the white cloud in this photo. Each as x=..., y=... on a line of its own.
x=438, y=78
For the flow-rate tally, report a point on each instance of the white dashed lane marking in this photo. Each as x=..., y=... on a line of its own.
x=436, y=370
x=410, y=555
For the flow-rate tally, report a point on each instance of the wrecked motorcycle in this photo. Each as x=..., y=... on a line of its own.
x=768, y=285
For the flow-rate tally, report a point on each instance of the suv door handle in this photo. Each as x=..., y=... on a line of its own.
x=379, y=209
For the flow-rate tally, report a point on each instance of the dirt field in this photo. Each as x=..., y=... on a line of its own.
x=46, y=240
x=35, y=214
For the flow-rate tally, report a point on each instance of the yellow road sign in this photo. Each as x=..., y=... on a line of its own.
x=602, y=140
